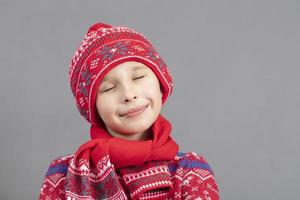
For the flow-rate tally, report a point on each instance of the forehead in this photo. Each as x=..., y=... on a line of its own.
x=126, y=67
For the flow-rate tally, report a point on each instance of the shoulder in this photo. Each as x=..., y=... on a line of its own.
x=193, y=176
x=53, y=184
x=190, y=161
x=59, y=165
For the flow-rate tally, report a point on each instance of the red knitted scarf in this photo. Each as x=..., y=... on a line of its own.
x=142, y=165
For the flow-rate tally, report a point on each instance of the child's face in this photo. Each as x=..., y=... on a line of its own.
x=129, y=85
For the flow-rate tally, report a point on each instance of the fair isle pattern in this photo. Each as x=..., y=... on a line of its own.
x=148, y=180
x=102, y=178
x=55, y=179
x=91, y=37
x=101, y=50
x=57, y=169
x=195, y=178
x=120, y=195
x=82, y=168
x=149, y=172
x=154, y=195
x=191, y=178
x=202, y=174
x=148, y=187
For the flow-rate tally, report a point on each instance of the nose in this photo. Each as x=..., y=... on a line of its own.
x=129, y=99
x=129, y=94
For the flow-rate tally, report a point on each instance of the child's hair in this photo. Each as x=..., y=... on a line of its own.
x=103, y=48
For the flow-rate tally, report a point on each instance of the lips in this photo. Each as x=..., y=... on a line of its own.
x=134, y=111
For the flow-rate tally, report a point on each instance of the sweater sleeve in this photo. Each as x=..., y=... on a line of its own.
x=53, y=184
x=198, y=178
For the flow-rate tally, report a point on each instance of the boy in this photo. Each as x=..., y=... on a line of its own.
x=120, y=83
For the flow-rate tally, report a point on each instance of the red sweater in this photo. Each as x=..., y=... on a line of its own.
x=191, y=178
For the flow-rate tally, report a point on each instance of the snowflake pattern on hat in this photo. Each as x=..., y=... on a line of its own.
x=86, y=81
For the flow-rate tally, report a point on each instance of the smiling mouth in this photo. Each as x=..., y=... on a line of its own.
x=134, y=112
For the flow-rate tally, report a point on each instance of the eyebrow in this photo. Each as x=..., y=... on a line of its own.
x=138, y=67
x=135, y=68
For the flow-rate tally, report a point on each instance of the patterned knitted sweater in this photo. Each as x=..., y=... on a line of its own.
x=190, y=175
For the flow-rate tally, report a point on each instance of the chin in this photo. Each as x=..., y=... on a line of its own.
x=133, y=131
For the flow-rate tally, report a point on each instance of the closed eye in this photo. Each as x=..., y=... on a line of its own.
x=108, y=89
x=139, y=77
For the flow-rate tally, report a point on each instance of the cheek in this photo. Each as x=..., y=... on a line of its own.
x=150, y=86
x=153, y=93
x=103, y=108
x=149, y=91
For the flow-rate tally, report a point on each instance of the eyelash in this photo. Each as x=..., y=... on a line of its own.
x=108, y=89
x=139, y=77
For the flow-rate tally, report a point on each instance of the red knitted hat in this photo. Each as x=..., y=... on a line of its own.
x=103, y=48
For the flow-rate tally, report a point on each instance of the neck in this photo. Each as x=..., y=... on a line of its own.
x=146, y=135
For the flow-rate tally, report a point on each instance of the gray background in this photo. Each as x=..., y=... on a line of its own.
x=236, y=101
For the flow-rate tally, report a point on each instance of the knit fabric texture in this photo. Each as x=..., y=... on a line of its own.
x=123, y=152
x=186, y=176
